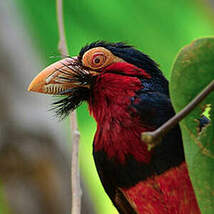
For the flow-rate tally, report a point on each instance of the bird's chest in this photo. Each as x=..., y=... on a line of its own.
x=119, y=136
x=119, y=128
x=117, y=142
x=119, y=153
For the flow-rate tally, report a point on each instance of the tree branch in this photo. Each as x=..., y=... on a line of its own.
x=75, y=173
x=154, y=138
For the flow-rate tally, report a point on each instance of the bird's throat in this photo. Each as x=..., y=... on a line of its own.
x=118, y=131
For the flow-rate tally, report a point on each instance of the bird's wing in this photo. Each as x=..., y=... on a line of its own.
x=169, y=189
x=154, y=107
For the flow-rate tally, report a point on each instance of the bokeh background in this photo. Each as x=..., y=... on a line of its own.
x=34, y=145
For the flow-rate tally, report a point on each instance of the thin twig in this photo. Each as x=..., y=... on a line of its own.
x=154, y=138
x=75, y=173
x=62, y=43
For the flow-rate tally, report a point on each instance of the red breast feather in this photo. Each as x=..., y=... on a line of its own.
x=118, y=134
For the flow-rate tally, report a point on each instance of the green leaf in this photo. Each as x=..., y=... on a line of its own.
x=193, y=70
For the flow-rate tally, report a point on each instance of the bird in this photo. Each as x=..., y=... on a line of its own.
x=127, y=94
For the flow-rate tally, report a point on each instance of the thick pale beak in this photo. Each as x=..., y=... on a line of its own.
x=58, y=77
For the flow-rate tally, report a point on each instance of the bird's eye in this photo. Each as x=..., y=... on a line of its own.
x=98, y=60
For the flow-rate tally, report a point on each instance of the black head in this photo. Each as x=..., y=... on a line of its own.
x=74, y=77
x=128, y=53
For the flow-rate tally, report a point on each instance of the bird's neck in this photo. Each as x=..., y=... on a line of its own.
x=118, y=132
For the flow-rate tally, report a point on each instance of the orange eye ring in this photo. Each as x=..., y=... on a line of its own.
x=98, y=59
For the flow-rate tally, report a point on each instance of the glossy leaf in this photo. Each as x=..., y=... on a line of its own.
x=193, y=70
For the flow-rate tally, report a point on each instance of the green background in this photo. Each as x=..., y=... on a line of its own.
x=158, y=28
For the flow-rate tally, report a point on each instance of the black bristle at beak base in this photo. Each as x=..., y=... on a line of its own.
x=69, y=103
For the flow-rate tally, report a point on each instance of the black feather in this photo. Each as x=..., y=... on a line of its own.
x=127, y=53
x=69, y=103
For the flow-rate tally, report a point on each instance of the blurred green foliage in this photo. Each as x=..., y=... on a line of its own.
x=159, y=28
x=4, y=208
